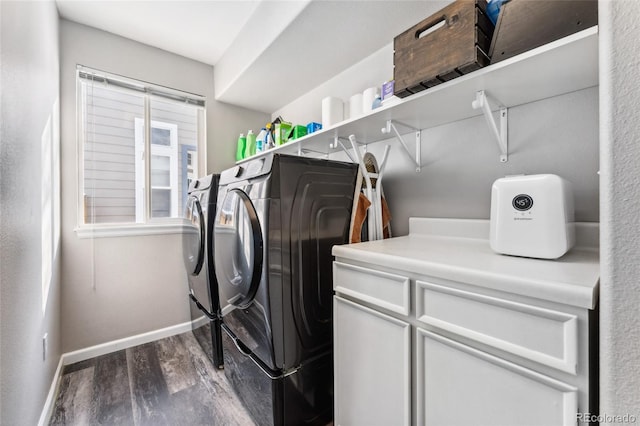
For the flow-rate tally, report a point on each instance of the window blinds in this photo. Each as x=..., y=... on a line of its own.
x=96, y=76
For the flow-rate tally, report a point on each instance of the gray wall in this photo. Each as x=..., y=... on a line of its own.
x=620, y=203
x=460, y=160
x=122, y=286
x=557, y=135
x=29, y=87
x=224, y=124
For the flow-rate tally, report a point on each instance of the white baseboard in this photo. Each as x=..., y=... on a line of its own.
x=103, y=349
x=127, y=342
x=47, y=410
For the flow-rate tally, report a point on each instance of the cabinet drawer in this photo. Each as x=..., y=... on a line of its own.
x=388, y=291
x=544, y=336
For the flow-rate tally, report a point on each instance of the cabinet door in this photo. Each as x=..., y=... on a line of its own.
x=460, y=385
x=372, y=358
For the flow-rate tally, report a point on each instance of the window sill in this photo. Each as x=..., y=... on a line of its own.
x=130, y=230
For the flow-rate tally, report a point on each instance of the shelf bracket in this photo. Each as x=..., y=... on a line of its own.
x=502, y=136
x=307, y=151
x=391, y=125
x=338, y=143
x=346, y=151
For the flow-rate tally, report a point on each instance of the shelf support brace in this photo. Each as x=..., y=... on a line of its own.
x=502, y=136
x=346, y=151
x=391, y=125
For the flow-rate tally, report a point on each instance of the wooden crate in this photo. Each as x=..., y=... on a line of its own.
x=526, y=24
x=446, y=45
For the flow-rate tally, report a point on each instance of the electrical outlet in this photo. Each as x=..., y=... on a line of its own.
x=45, y=344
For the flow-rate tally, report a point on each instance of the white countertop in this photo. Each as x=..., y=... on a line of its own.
x=458, y=250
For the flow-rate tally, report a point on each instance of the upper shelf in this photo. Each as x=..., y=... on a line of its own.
x=560, y=67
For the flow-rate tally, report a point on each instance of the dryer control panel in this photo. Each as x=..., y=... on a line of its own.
x=247, y=170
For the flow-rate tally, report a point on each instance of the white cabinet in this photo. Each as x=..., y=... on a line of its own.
x=458, y=385
x=442, y=331
x=372, y=372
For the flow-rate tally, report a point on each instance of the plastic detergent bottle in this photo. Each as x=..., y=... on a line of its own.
x=260, y=140
x=250, y=148
x=377, y=102
x=268, y=142
x=242, y=142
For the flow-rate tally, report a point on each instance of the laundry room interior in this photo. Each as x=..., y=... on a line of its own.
x=355, y=212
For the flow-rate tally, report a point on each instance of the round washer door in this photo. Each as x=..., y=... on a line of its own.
x=193, y=237
x=238, y=255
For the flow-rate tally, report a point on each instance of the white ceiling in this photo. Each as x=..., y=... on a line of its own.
x=265, y=53
x=200, y=30
x=323, y=39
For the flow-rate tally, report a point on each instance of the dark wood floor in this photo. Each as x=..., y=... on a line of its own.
x=166, y=382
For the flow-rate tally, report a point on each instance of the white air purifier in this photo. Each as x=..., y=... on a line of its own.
x=532, y=216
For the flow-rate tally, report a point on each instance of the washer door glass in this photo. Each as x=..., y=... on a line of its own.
x=193, y=237
x=238, y=254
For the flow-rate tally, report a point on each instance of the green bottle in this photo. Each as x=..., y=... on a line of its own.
x=242, y=142
x=250, y=148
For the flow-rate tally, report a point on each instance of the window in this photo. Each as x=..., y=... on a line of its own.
x=138, y=149
x=164, y=170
